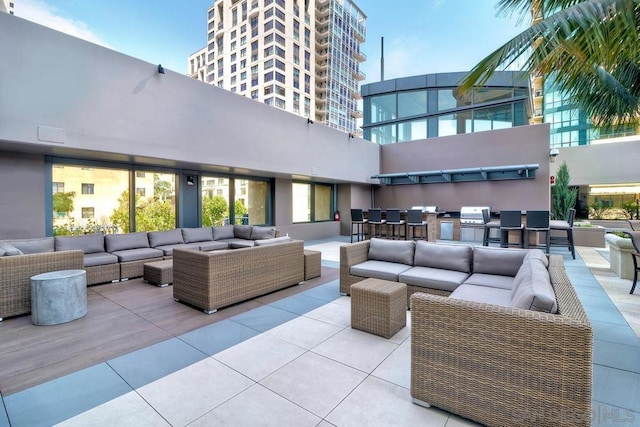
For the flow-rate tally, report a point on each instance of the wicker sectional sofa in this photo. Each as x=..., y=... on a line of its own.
x=211, y=280
x=106, y=258
x=497, y=335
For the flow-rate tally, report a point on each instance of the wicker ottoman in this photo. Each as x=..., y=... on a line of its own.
x=159, y=273
x=379, y=306
x=312, y=266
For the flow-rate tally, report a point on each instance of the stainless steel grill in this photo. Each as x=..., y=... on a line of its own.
x=472, y=215
x=472, y=223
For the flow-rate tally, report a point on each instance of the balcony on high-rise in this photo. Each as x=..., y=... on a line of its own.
x=360, y=57
x=359, y=75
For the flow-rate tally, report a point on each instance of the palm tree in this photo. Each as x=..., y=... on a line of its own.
x=590, y=47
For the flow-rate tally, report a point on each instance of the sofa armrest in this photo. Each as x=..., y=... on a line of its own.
x=350, y=255
x=16, y=272
x=501, y=365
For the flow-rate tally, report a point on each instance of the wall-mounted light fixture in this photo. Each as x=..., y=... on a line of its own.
x=553, y=153
x=160, y=69
x=351, y=135
x=190, y=180
x=309, y=121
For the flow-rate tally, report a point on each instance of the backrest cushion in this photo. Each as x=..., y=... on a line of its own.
x=532, y=288
x=273, y=241
x=400, y=251
x=223, y=232
x=242, y=232
x=89, y=243
x=537, y=254
x=7, y=249
x=258, y=233
x=500, y=261
x=121, y=242
x=201, y=234
x=161, y=238
x=34, y=246
x=447, y=257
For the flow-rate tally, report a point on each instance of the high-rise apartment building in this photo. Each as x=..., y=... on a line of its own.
x=6, y=6
x=302, y=56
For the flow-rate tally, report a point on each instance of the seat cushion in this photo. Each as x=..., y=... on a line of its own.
x=379, y=270
x=122, y=242
x=559, y=225
x=198, y=234
x=240, y=243
x=447, y=257
x=501, y=261
x=490, y=280
x=273, y=241
x=223, y=232
x=99, y=258
x=393, y=251
x=434, y=278
x=212, y=246
x=167, y=250
x=261, y=233
x=165, y=238
x=90, y=243
x=483, y=294
x=137, y=254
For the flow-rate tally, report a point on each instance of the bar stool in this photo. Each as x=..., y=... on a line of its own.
x=357, y=219
x=414, y=220
x=564, y=226
x=537, y=222
x=510, y=221
x=393, y=220
x=488, y=226
x=375, y=219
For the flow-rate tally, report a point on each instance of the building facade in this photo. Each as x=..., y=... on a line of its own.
x=301, y=56
x=6, y=6
x=426, y=106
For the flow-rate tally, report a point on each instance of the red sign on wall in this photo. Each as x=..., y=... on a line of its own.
x=552, y=180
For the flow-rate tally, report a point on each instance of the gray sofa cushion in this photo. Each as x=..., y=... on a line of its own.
x=242, y=232
x=34, y=246
x=201, y=234
x=394, y=251
x=532, y=288
x=273, y=241
x=240, y=243
x=379, y=270
x=167, y=250
x=213, y=246
x=483, y=294
x=537, y=253
x=164, y=238
x=8, y=249
x=223, y=232
x=99, y=258
x=447, y=257
x=259, y=233
x=137, y=254
x=122, y=242
x=434, y=278
x=490, y=280
x=502, y=261
x=90, y=243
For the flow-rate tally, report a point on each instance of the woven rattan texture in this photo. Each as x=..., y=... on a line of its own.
x=504, y=366
x=131, y=269
x=379, y=307
x=159, y=273
x=312, y=264
x=211, y=280
x=16, y=272
x=102, y=273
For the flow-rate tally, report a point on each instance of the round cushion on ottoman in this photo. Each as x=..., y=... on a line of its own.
x=379, y=306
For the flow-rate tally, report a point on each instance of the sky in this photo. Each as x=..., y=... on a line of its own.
x=420, y=36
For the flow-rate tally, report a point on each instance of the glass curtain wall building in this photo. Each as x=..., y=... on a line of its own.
x=431, y=105
x=302, y=56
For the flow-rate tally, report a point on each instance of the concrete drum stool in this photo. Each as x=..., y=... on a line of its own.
x=159, y=273
x=58, y=297
x=379, y=306
x=312, y=264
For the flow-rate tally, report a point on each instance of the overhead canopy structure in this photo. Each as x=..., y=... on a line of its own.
x=489, y=173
